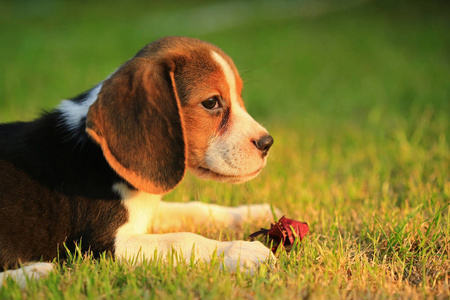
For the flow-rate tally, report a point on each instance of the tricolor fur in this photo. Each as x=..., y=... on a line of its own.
x=94, y=169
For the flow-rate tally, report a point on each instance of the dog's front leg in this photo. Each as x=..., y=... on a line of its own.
x=175, y=215
x=247, y=255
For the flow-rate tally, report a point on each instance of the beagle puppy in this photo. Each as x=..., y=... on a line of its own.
x=94, y=169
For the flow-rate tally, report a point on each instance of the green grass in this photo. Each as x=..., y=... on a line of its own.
x=356, y=97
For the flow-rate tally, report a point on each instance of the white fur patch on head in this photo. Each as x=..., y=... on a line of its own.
x=73, y=112
x=233, y=155
x=229, y=75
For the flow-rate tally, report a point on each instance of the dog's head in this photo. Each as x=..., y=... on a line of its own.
x=177, y=104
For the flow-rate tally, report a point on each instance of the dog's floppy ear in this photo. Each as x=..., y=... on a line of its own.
x=136, y=120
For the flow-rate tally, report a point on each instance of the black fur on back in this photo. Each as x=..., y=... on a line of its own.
x=55, y=188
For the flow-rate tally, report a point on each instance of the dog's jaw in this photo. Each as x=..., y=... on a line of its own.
x=208, y=174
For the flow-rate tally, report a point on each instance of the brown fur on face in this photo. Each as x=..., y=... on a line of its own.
x=149, y=119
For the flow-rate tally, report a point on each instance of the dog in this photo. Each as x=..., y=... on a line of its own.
x=93, y=170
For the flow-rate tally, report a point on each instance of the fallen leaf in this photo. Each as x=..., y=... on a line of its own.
x=284, y=232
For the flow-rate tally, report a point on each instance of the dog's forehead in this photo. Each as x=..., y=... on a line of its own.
x=198, y=61
x=183, y=50
x=200, y=68
x=196, y=74
x=209, y=69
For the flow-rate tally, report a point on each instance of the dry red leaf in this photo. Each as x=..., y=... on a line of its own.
x=283, y=232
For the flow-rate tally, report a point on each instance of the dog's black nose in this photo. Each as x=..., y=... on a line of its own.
x=264, y=143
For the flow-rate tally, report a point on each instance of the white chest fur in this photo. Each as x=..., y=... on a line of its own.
x=142, y=209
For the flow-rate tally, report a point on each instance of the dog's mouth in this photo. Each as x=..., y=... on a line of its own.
x=207, y=173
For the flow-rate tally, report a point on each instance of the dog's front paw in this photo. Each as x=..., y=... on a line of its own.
x=255, y=213
x=249, y=256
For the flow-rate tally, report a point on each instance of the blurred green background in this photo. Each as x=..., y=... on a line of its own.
x=324, y=61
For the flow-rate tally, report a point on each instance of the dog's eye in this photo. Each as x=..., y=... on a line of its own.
x=211, y=103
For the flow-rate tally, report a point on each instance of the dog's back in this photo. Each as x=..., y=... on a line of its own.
x=44, y=201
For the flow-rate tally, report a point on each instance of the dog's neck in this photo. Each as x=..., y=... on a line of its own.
x=73, y=113
x=57, y=152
